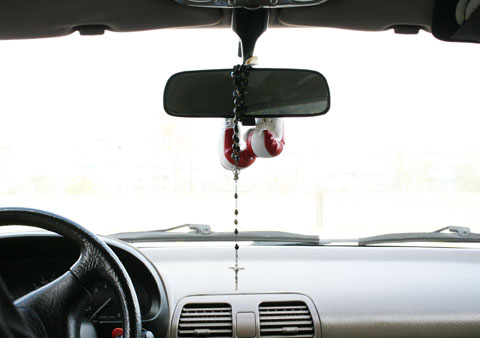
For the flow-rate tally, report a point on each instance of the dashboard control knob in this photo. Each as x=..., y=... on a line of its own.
x=117, y=332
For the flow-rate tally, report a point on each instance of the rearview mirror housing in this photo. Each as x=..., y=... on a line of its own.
x=270, y=93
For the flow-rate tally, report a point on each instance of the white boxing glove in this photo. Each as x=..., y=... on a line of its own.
x=267, y=139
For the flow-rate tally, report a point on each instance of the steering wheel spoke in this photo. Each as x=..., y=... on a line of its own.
x=57, y=305
x=90, y=265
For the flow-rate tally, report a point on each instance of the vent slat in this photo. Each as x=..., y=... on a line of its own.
x=212, y=331
x=293, y=307
x=226, y=309
x=204, y=325
x=272, y=318
x=198, y=314
x=285, y=320
x=205, y=320
x=303, y=329
x=216, y=336
x=287, y=323
x=289, y=312
x=296, y=336
x=210, y=336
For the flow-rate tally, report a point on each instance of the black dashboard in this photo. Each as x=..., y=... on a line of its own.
x=29, y=261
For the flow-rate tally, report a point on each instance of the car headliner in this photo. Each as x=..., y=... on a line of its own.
x=20, y=19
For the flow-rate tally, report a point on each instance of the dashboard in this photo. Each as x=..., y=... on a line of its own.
x=188, y=291
x=29, y=261
x=394, y=292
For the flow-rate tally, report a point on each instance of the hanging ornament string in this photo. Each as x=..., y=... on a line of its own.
x=240, y=83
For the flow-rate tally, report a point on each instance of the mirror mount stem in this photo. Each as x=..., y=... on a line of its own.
x=249, y=24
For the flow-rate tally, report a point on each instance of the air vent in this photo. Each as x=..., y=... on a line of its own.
x=205, y=320
x=286, y=319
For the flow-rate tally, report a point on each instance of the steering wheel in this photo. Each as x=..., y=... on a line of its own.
x=55, y=310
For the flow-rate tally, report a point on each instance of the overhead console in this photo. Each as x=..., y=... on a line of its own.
x=246, y=316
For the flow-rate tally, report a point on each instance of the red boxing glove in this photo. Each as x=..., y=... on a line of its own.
x=226, y=149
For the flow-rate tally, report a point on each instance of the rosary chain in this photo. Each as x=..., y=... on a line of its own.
x=240, y=81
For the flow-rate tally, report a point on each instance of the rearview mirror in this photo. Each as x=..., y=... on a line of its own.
x=270, y=93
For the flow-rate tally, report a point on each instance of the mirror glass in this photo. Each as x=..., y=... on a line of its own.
x=270, y=93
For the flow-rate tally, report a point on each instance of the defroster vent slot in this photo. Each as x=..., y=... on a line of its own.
x=206, y=320
x=285, y=320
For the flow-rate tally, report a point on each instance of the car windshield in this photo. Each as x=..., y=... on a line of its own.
x=84, y=134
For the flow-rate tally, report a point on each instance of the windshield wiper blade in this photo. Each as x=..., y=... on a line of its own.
x=196, y=228
x=456, y=235
x=199, y=236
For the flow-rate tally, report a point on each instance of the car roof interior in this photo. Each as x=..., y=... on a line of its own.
x=50, y=18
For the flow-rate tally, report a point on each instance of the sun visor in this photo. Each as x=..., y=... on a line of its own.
x=457, y=21
x=363, y=15
x=50, y=18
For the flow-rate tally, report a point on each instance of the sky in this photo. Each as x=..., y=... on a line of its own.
x=84, y=134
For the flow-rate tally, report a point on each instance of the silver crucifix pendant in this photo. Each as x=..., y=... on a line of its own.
x=236, y=269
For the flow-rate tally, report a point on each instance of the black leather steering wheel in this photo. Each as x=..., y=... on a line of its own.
x=55, y=310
